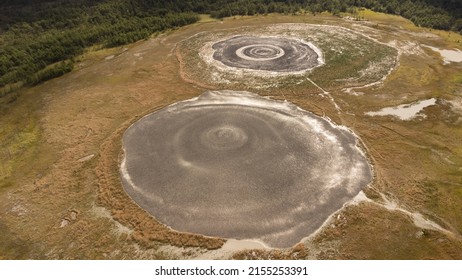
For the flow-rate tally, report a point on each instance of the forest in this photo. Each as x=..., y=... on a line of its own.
x=40, y=39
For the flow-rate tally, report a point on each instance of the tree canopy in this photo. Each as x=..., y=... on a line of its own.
x=40, y=38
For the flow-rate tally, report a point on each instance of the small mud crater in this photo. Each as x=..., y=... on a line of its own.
x=274, y=54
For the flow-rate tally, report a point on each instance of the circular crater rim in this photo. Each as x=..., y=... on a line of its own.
x=294, y=207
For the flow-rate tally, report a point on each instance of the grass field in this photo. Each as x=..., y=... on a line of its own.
x=60, y=193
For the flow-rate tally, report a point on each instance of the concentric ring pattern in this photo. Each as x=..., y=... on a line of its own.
x=276, y=54
x=237, y=165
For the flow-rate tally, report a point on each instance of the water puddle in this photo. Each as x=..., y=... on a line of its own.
x=406, y=111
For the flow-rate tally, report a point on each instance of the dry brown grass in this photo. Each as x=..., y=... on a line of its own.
x=299, y=251
x=53, y=206
x=146, y=229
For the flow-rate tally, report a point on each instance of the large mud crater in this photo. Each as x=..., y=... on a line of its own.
x=237, y=165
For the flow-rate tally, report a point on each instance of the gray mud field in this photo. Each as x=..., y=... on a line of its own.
x=237, y=165
x=266, y=53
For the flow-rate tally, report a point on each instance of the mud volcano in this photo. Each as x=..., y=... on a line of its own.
x=275, y=54
x=237, y=165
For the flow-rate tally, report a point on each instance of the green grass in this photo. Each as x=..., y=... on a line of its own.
x=206, y=18
x=352, y=63
x=457, y=78
x=19, y=137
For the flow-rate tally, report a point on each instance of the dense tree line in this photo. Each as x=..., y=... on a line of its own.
x=40, y=38
x=42, y=33
x=438, y=14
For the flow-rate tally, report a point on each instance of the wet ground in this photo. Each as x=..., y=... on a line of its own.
x=266, y=53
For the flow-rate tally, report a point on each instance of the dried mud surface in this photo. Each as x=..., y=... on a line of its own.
x=236, y=165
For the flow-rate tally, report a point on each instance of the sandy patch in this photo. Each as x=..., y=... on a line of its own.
x=405, y=112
